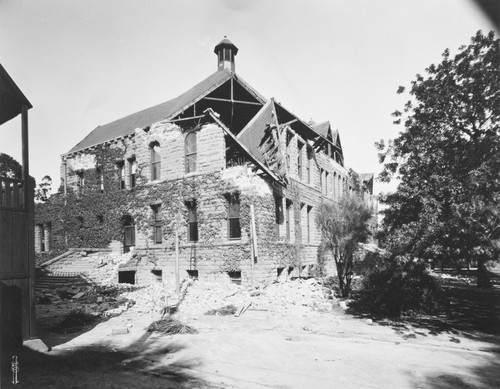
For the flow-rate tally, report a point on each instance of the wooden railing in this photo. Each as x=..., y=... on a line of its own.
x=11, y=193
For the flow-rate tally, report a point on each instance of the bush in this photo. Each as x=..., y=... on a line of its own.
x=400, y=288
x=76, y=318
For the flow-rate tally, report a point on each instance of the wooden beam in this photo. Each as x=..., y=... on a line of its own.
x=25, y=151
x=232, y=101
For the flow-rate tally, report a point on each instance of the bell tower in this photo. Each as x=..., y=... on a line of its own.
x=225, y=51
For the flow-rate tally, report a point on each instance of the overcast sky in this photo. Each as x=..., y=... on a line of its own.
x=86, y=63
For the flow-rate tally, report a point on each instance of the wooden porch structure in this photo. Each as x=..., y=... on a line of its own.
x=17, y=262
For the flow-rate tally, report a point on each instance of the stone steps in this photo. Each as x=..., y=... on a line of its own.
x=54, y=281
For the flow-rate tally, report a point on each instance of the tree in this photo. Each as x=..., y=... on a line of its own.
x=343, y=226
x=447, y=158
x=9, y=167
x=42, y=193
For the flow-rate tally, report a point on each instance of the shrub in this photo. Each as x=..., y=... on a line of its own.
x=400, y=288
x=76, y=318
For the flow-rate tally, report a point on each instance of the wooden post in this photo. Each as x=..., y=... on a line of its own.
x=177, y=276
x=25, y=145
x=253, y=234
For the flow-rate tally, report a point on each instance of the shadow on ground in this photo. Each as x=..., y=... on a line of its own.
x=485, y=376
x=137, y=366
x=465, y=311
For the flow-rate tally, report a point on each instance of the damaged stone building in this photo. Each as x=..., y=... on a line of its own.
x=218, y=182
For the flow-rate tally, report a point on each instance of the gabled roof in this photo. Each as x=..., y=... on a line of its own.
x=256, y=135
x=12, y=99
x=127, y=125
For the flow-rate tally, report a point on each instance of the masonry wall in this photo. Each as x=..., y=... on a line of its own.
x=214, y=255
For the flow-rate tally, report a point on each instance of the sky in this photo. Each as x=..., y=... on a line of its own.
x=87, y=63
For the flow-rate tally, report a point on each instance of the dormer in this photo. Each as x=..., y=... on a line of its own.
x=225, y=51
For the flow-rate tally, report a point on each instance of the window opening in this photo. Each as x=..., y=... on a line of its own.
x=191, y=151
x=157, y=224
x=155, y=161
x=192, y=222
x=233, y=217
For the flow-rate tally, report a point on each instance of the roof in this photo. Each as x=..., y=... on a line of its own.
x=127, y=125
x=321, y=128
x=226, y=42
x=256, y=135
x=12, y=99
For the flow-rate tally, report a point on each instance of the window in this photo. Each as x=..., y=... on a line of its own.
x=233, y=217
x=308, y=166
x=300, y=147
x=132, y=164
x=192, y=228
x=157, y=274
x=308, y=221
x=321, y=179
x=326, y=183
x=157, y=224
x=235, y=277
x=80, y=181
x=41, y=241
x=278, y=207
x=128, y=233
x=155, y=161
x=190, y=151
x=100, y=175
x=126, y=277
x=334, y=183
x=287, y=218
x=121, y=174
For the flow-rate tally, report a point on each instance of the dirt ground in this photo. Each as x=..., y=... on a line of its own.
x=273, y=346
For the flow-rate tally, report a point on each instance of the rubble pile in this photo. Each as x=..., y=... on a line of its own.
x=195, y=299
x=285, y=296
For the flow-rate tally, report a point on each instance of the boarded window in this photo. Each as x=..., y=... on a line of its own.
x=233, y=217
x=192, y=227
x=191, y=150
x=155, y=161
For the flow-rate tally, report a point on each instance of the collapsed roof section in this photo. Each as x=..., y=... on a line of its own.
x=263, y=133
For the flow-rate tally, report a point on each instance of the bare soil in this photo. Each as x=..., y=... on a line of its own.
x=282, y=346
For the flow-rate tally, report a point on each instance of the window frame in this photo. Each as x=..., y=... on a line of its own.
x=192, y=221
x=232, y=201
x=190, y=155
x=155, y=160
x=132, y=166
x=300, y=149
x=157, y=224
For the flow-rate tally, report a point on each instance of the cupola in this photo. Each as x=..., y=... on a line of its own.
x=225, y=51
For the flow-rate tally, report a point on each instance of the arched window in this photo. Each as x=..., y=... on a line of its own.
x=155, y=161
x=190, y=150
